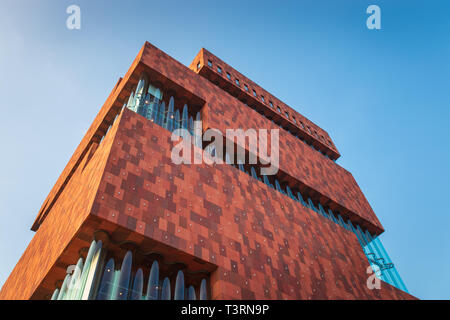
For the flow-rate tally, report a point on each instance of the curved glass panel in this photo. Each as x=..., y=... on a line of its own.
x=86, y=267
x=252, y=170
x=115, y=285
x=63, y=291
x=146, y=105
x=139, y=99
x=185, y=118
x=191, y=125
x=161, y=114
x=300, y=198
x=177, y=120
x=138, y=285
x=179, y=286
x=170, y=116
x=74, y=284
x=86, y=291
x=277, y=185
x=124, y=279
x=266, y=180
x=106, y=284
x=130, y=103
x=289, y=193
x=165, y=291
x=55, y=294
x=153, y=112
x=153, y=282
x=203, y=294
x=191, y=293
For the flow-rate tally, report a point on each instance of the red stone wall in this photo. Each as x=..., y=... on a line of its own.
x=334, y=184
x=265, y=244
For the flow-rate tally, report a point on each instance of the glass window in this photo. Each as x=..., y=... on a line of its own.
x=219, y=69
x=246, y=87
x=262, y=98
x=198, y=65
x=228, y=76
x=279, y=110
x=237, y=82
x=286, y=114
x=254, y=93
x=271, y=104
x=210, y=63
x=293, y=119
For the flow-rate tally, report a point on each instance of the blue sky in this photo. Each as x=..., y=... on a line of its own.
x=381, y=94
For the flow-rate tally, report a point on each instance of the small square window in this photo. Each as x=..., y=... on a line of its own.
x=228, y=76
x=219, y=70
x=237, y=82
x=254, y=93
x=246, y=87
x=210, y=63
x=271, y=104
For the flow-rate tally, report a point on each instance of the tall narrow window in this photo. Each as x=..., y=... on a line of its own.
x=279, y=110
x=262, y=98
x=245, y=87
x=219, y=69
x=286, y=114
x=210, y=63
x=228, y=76
x=271, y=104
x=254, y=93
x=198, y=65
x=237, y=82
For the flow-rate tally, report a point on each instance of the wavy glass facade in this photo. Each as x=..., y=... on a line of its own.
x=123, y=222
x=100, y=278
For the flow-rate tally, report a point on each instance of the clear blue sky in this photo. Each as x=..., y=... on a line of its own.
x=382, y=95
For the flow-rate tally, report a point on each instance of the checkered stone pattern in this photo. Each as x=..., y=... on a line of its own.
x=335, y=185
x=264, y=244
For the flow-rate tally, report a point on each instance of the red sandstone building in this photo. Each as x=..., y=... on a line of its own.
x=138, y=226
